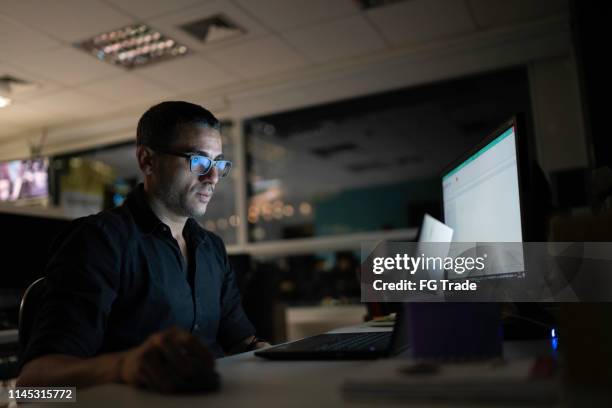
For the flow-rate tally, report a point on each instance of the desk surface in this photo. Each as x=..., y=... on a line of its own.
x=250, y=381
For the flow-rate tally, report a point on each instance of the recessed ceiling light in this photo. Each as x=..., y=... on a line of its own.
x=4, y=102
x=133, y=46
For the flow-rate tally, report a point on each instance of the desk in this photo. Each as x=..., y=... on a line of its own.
x=252, y=382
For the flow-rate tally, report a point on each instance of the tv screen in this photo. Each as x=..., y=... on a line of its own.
x=24, y=179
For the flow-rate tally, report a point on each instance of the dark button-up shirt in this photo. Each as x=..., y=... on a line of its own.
x=119, y=276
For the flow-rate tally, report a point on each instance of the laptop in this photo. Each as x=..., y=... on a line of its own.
x=364, y=345
x=346, y=346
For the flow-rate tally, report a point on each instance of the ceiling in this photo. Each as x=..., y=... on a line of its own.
x=282, y=36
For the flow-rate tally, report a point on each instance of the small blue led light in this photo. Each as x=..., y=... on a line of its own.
x=554, y=340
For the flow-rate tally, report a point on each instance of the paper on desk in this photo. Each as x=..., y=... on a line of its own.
x=469, y=382
x=382, y=321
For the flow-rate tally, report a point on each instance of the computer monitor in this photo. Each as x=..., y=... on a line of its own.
x=483, y=196
x=24, y=180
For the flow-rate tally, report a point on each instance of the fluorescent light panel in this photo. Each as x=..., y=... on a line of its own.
x=133, y=46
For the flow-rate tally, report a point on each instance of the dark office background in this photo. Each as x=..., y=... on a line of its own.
x=403, y=184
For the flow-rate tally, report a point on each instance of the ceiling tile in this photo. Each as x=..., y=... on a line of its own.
x=69, y=20
x=65, y=65
x=16, y=115
x=9, y=129
x=499, y=12
x=142, y=9
x=259, y=57
x=19, y=39
x=169, y=24
x=280, y=15
x=41, y=85
x=188, y=74
x=69, y=105
x=421, y=20
x=127, y=89
x=345, y=37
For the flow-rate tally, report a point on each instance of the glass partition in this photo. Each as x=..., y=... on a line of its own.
x=371, y=163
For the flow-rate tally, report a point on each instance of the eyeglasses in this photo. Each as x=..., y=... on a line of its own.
x=199, y=164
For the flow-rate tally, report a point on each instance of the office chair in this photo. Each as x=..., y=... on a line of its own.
x=30, y=303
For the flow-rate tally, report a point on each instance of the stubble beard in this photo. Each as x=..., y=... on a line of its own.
x=179, y=202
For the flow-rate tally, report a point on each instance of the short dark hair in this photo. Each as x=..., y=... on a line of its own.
x=158, y=126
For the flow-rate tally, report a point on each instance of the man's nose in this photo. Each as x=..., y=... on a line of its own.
x=211, y=177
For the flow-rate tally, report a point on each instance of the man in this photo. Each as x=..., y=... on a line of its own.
x=141, y=294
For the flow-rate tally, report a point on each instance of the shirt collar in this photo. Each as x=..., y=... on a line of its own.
x=195, y=232
x=141, y=211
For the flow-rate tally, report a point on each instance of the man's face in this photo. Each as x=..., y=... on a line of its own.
x=183, y=192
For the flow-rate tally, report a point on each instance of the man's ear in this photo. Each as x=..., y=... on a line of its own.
x=145, y=159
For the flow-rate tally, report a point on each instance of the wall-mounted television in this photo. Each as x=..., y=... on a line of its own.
x=24, y=179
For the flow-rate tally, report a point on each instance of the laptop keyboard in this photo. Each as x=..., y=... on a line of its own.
x=376, y=341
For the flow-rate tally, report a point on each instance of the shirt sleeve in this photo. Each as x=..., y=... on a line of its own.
x=82, y=280
x=234, y=325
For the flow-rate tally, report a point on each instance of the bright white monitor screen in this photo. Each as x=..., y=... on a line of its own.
x=482, y=202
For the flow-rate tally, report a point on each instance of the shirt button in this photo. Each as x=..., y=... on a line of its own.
x=196, y=327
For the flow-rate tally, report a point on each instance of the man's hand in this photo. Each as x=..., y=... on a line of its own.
x=261, y=345
x=170, y=361
x=247, y=345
